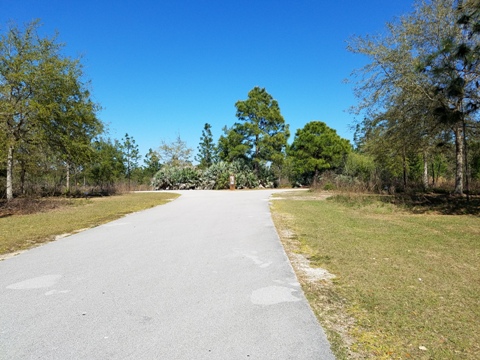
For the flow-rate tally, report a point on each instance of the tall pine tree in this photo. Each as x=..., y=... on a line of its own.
x=263, y=127
x=207, y=151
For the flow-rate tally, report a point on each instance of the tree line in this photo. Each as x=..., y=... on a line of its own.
x=419, y=96
x=50, y=134
x=255, y=150
x=54, y=143
x=418, y=105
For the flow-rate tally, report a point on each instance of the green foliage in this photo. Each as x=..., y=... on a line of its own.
x=216, y=177
x=152, y=163
x=44, y=105
x=176, y=178
x=70, y=123
x=262, y=128
x=420, y=88
x=231, y=146
x=474, y=151
x=107, y=165
x=315, y=148
x=207, y=151
x=131, y=155
x=469, y=18
x=360, y=166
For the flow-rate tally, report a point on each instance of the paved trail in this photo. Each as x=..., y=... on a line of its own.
x=203, y=277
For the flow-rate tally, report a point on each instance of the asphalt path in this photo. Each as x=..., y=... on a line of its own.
x=203, y=277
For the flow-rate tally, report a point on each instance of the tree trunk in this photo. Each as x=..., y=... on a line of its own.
x=437, y=176
x=465, y=151
x=256, y=160
x=68, y=177
x=75, y=179
x=10, y=172
x=405, y=171
x=23, y=173
x=425, y=170
x=458, y=159
x=433, y=174
x=315, y=177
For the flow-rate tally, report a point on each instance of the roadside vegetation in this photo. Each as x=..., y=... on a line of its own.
x=416, y=119
x=403, y=248
x=25, y=223
x=407, y=278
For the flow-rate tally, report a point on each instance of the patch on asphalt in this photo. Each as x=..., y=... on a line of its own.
x=272, y=295
x=36, y=283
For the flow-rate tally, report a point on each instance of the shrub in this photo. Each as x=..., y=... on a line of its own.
x=177, y=178
x=216, y=177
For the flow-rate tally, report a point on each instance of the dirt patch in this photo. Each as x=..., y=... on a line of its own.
x=302, y=264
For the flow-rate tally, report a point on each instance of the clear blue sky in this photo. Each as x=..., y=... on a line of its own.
x=164, y=68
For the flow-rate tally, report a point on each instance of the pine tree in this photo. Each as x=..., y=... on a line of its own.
x=263, y=127
x=207, y=151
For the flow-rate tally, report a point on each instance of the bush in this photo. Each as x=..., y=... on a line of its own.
x=216, y=177
x=177, y=178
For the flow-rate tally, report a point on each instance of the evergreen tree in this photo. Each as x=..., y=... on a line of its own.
x=207, y=151
x=262, y=128
x=231, y=146
x=107, y=165
x=131, y=156
x=315, y=148
x=152, y=163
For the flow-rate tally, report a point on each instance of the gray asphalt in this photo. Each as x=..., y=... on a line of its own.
x=203, y=277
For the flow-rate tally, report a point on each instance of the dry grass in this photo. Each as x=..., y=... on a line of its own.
x=26, y=223
x=407, y=285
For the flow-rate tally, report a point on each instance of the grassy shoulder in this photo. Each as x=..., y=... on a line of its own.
x=65, y=216
x=406, y=285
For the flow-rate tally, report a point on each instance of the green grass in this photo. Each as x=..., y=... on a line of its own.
x=404, y=282
x=19, y=232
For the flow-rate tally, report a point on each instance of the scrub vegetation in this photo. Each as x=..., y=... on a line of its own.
x=416, y=120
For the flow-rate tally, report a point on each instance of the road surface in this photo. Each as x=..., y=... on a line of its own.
x=203, y=277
